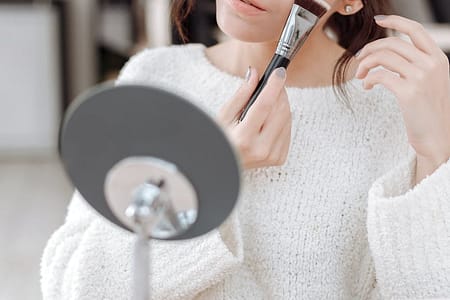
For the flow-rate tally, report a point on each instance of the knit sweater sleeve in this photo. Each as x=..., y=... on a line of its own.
x=89, y=258
x=409, y=232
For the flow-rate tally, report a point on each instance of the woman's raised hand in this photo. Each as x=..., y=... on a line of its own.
x=418, y=74
x=264, y=135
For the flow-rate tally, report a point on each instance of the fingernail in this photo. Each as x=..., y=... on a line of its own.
x=281, y=72
x=380, y=17
x=358, y=53
x=249, y=73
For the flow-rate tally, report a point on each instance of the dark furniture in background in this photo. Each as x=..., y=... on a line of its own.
x=441, y=10
x=200, y=25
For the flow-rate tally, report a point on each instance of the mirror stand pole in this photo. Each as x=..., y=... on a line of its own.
x=141, y=265
x=146, y=208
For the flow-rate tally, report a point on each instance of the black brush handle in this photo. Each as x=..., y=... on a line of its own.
x=277, y=61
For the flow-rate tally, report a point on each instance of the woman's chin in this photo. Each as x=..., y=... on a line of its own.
x=248, y=36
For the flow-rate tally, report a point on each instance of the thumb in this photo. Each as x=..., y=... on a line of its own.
x=232, y=108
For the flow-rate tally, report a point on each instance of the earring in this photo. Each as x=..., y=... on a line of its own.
x=348, y=9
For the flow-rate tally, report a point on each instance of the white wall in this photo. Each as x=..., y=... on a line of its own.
x=29, y=79
x=418, y=10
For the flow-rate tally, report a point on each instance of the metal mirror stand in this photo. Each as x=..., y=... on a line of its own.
x=150, y=211
x=152, y=163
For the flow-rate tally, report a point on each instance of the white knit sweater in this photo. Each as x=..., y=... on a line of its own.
x=340, y=220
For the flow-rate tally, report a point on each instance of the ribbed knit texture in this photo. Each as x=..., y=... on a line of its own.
x=340, y=220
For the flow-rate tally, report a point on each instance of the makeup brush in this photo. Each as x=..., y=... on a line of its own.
x=301, y=21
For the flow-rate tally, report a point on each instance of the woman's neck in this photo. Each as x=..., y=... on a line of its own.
x=313, y=65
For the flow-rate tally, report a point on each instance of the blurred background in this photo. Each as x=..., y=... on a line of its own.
x=50, y=52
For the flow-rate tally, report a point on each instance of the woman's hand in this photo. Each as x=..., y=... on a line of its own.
x=264, y=135
x=418, y=74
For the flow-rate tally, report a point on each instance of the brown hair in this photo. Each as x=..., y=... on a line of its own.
x=353, y=32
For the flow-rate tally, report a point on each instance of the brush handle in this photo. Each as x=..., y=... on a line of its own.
x=277, y=61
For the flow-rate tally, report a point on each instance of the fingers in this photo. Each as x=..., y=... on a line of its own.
x=260, y=110
x=389, y=60
x=281, y=147
x=230, y=111
x=413, y=29
x=277, y=119
x=390, y=80
x=394, y=44
x=287, y=144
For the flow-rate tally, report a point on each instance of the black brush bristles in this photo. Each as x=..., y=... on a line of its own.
x=316, y=7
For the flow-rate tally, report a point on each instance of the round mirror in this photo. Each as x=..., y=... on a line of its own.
x=129, y=141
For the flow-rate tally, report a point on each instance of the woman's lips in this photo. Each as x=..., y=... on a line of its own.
x=252, y=3
x=247, y=7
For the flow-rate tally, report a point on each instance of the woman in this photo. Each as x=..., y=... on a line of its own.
x=336, y=205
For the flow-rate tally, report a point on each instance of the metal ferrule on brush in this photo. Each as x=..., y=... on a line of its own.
x=296, y=31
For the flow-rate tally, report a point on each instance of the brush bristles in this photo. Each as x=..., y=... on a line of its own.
x=316, y=7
